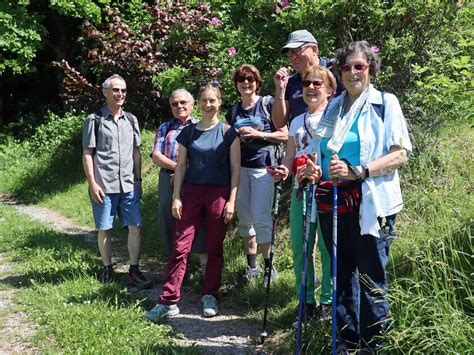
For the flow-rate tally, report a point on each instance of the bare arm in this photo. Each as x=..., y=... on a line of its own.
x=180, y=171
x=280, y=110
x=162, y=161
x=378, y=167
x=279, y=136
x=229, y=209
x=88, y=163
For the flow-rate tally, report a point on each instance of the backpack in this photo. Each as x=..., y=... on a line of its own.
x=276, y=150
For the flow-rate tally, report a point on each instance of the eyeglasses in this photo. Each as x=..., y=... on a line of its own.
x=316, y=83
x=358, y=67
x=213, y=83
x=117, y=90
x=297, y=51
x=177, y=103
x=243, y=78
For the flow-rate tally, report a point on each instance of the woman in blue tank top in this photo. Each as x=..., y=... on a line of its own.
x=205, y=185
x=362, y=140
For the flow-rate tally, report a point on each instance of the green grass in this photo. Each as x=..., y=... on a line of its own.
x=430, y=270
x=56, y=275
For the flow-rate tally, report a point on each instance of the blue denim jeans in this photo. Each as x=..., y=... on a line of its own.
x=362, y=303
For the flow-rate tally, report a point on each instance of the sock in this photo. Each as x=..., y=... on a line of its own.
x=133, y=268
x=267, y=262
x=252, y=260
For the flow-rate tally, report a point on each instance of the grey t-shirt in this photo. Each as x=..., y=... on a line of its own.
x=208, y=153
x=113, y=158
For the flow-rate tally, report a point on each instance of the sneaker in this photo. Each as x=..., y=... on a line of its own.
x=108, y=276
x=307, y=315
x=162, y=311
x=323, y=312
x=273, y=277
x=342, y=349
x=249, y=274
x=137, y=279
x=209, y=306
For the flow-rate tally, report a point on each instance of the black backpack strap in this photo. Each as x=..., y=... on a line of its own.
x=380, y=108
x=189, y=136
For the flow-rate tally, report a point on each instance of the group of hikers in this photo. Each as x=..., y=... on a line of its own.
x=341, y=135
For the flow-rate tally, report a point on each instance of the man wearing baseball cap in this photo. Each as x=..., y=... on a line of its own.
x=302, y=51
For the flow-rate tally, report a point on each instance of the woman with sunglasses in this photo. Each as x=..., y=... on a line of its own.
x=205, y=185
x=362, y=140
x=319, y=86
x=251, y=118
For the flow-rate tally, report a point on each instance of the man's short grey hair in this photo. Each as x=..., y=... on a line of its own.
x=106, y=83
x=185, y=92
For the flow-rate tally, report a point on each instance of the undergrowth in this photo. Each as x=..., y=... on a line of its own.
x=430, y=271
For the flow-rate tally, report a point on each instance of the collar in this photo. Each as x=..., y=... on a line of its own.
x=105, y=112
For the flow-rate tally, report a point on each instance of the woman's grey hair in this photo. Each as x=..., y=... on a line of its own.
x=354, y=47
x=106, y=83
x=185, y=92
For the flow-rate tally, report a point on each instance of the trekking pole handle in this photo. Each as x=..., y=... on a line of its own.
x=334, y=180
x=313, y=158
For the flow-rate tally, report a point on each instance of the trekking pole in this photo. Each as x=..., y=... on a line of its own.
x=334, y=262
x=308, y=216
x=276, y=200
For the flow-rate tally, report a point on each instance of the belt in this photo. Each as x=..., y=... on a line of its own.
x=167, y=171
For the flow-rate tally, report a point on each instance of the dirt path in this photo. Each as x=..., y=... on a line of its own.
x=227, y=333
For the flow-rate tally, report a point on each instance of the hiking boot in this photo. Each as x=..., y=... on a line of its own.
x=273, y=277
x=308, y=314
x=249, y=274
x=108, y=276
x=323, y=312
x=162, y=311
x=209, y=306
x=137, y=279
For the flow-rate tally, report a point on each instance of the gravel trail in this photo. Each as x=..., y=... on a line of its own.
x=227, y=333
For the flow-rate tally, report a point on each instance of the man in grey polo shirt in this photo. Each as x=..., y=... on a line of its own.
x=112, y=163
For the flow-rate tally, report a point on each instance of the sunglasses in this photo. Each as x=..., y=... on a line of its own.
x=316, y=83
x=213, y=83
x=243, y=78
x=357, y=67
x=177, y=103
x=117, y=90
x=297, y=51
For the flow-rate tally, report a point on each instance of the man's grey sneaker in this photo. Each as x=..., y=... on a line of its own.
x=273, y=277
x=323, y=312
x=137, y=279
x=162, y=311
x=108, y=276
x=209, y=306
x=249, y=274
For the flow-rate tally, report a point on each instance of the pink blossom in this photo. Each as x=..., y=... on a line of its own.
x=460, y=4
x=215, y=21
x=375, y=49
x=284, y=3
x=232, y=51
x=407, y=17
x=277, y=9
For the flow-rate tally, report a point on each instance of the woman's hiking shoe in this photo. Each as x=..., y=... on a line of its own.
x=137, y=279
x=209, y=306
x=308, y=314
x=108, y=276
x=323, y=312
x=266, y=274
x=249, y=274
x=162, y=311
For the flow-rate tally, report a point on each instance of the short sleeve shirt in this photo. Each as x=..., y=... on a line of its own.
x=165, y=137
x=114, y=144
x=252, y=154
x=208, y=154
